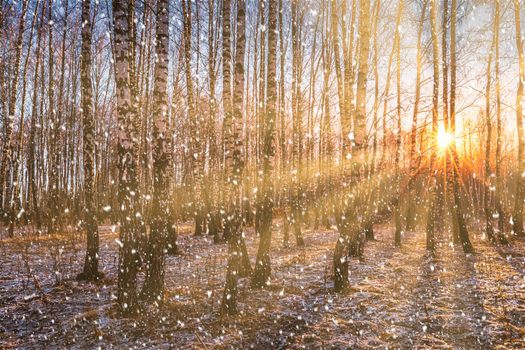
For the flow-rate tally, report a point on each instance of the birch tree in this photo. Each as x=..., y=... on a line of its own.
x=458, y=202
x=154, y=283
x=127, y=187
x=7, y=148
x=265, y=203
x=431, y=241
x=517, y=216
x=236, y=245
x=90, y=271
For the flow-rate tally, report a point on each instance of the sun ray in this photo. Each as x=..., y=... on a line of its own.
x=444, y=139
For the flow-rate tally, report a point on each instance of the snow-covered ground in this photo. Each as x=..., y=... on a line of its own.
x=399, y=297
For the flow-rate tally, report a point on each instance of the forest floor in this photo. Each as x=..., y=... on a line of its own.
x=399, y=297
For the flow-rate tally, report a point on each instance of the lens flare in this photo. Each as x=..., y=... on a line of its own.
x=444, y=139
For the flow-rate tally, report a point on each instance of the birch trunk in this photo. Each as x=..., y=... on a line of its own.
x=160, y=224
x=517, y=217
x=431, y=241
x=127, y=187
x=91, y=271
x=237, y=254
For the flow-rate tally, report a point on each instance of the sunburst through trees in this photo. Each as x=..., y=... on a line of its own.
x=262, y=173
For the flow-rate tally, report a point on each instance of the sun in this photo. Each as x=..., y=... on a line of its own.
x=444, y=139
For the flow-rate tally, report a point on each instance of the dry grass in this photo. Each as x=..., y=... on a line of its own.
x=400, y=297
